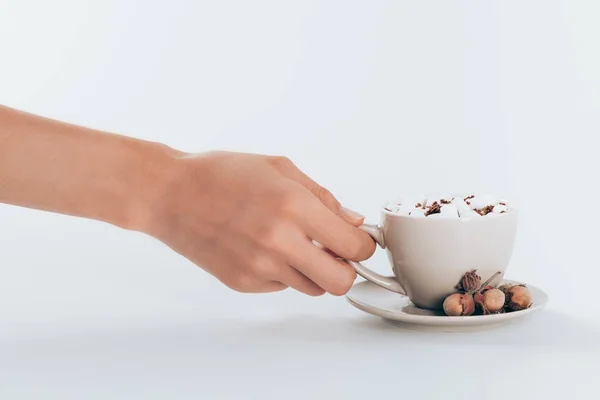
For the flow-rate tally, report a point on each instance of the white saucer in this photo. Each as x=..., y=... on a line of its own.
x=398, y=310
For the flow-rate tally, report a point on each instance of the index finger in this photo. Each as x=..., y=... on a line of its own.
x=330, y=230
x=289, y=170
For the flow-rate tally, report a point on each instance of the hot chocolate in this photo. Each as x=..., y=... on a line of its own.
x=460, y=206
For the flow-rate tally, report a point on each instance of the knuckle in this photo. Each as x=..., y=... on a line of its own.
x=260, y=265
x=287, y=202
x=351, y=248
x=326, y=196
x=242, y=283
x=343, y=283
x=316, y=292
x=281, y=162
x=355, y=253
x=273, y=236
x=359, y=247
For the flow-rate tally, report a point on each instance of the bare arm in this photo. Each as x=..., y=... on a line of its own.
x=250, y=220
x=68, y=169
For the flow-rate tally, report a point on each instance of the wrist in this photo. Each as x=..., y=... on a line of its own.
x=68, y=169
x=153, y=167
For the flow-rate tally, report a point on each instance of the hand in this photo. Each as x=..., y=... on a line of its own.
x=251, y=220
x=257, y=223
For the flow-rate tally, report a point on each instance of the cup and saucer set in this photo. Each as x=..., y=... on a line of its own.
x=429, y=256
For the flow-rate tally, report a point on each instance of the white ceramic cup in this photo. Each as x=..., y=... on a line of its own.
x=429, y=255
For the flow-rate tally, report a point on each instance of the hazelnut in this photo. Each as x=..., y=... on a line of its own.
x=490, y=301
x=459, y=304
x=518, y=297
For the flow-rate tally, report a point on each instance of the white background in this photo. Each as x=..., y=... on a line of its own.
x=372, y=99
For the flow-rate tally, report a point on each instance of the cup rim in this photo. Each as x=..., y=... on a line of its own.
x=513, y=210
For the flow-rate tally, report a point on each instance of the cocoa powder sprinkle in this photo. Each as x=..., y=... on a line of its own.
x=435, y=208
x=485, y=210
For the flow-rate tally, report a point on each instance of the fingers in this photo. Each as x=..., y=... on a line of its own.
x=249, y=284
x=296, y=280
x=323, y=226
x=325, y=249
x=272, y=287
x=289, y=170
x=325, y=220
x=332, y=275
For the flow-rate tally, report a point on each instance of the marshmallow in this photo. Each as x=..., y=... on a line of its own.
x=411, y=201
x=480, y=201
x=461, y=206
x=446, y=199
x=457, y=206
x=437, y=216
x=468, y=214
x=499, y=209
x=503, y=202
x=417, y=213
x=449, y=210
x=398, y=209
x=430, y=201
x=438, y=199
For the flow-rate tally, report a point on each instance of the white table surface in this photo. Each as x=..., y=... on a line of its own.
x=122, y=317
x=371, y=99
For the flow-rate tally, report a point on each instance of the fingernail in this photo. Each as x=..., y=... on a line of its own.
x=351, y=214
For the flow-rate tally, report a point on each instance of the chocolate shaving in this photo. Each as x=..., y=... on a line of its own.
x=387, y=209
x=502, y=203
x=418, y=205
x=469, y=197
x=435, y=208
x=444, y=201
x=485, y=210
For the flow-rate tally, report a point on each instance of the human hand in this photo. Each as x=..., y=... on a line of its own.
x=250, y=221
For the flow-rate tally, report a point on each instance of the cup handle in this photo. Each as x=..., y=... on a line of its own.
x=383, y=281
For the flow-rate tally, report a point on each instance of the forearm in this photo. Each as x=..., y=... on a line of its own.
x=54, y=166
